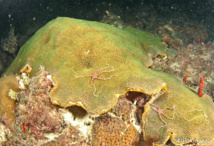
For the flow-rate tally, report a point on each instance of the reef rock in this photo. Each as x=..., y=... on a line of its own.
x=92, y=64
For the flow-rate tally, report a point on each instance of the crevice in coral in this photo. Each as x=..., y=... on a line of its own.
x=139, y=100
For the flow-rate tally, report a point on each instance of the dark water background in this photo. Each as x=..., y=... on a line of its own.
x=27, y=16
x=23, y=11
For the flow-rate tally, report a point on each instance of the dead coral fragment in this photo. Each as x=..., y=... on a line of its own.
x=71, y=136
x=23, y=80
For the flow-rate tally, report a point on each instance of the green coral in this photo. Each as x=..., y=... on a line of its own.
x=190, y=118
x=70, y=48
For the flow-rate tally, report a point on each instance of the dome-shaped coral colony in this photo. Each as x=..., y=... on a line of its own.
x=92, y=64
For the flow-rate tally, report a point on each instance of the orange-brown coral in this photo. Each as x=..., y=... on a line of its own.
x=108, y=130
x=7, y=104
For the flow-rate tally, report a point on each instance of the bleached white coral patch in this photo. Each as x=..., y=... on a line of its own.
x=3, y=131
x=79, y=123
x=23, y=80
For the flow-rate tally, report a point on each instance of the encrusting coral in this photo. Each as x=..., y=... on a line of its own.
x=92, y=64
x=7, y=104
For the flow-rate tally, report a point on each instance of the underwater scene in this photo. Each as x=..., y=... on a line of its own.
x=107, y=73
